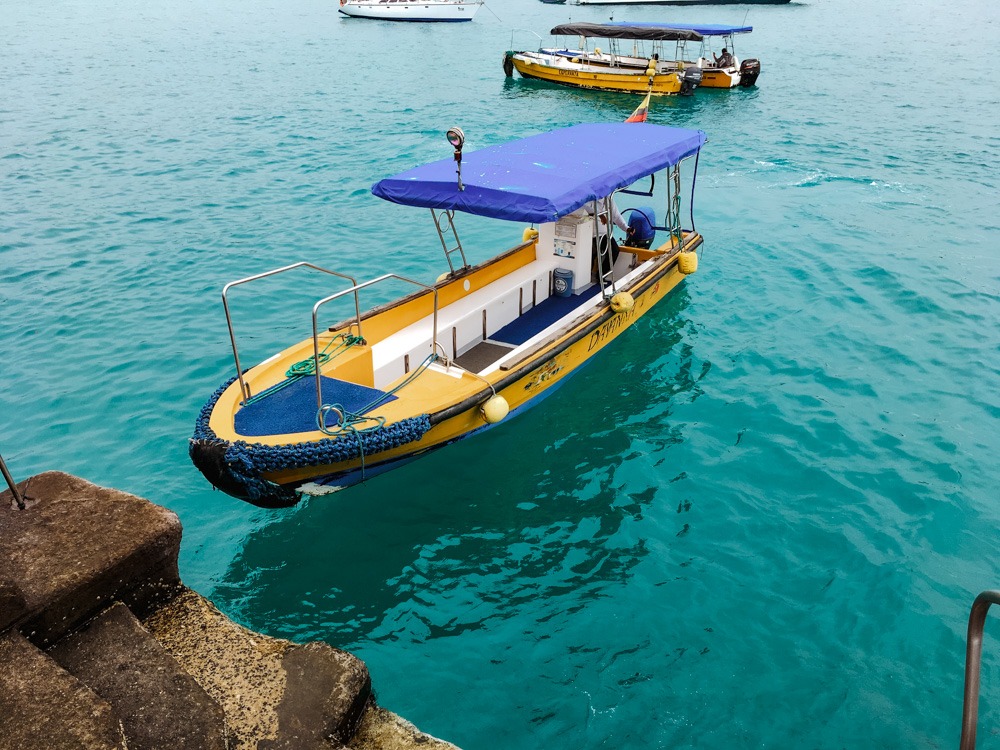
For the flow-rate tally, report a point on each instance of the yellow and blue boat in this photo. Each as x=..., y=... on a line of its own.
x=713, y=76
x=481, y=344
x=619, y=67
x=636, y=58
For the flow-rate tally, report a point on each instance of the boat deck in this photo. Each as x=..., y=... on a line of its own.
x=292, y=408
x=288, y=409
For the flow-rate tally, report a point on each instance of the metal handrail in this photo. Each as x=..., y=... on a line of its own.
x=229, y=321
x=355, y=289
x=13, y=486
x=973, y=657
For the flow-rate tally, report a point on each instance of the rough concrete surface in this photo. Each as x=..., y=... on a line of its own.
x=382, y=730
x=76, y=548
x=159, y=704
x=44, y=707
x=326, y=691
x=269, y=702
x=180, y=676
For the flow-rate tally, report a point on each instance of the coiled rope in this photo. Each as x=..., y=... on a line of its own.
x=348, y=421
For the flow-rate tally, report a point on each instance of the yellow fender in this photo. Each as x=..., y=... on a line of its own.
x=495, y=409
x=622, y=302
x=529, y=234
x=687, y=263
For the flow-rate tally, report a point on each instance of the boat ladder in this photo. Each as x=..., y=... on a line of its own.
x=973, y=657
x=444, y=232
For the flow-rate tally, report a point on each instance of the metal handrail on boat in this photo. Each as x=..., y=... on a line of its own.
x=244, y=394
x=973, y=657
x=356, y=288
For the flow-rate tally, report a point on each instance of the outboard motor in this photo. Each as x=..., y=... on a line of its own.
x=690, y=79
x=641, y=222
x=749, y=70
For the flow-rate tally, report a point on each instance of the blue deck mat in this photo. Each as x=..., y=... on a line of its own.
x=293, y=408
x=541, y=316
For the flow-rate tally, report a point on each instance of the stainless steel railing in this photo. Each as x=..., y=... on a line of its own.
x=229, y=321
x=356, y=288
x=973, y=657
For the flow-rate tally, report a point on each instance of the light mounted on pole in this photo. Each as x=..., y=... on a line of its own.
x=457, y=139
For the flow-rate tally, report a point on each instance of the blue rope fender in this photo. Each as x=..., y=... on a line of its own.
x=242, y=463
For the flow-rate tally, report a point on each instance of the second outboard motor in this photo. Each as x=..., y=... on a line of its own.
x=749, y=70
x=641, y=222
x=690, y=79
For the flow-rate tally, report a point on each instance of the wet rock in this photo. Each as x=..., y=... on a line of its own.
x=159, y=704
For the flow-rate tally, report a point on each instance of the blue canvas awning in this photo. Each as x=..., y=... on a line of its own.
x=705, y=29
x=544, y=177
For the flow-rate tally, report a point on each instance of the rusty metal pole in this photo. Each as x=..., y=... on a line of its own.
x=973, y=656
x=10, y=483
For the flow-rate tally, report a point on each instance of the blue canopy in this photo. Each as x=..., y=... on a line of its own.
x=544, y=177
x=705, y=29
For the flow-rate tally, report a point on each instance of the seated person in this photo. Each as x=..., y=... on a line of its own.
x=608, y=255
x=725, y=60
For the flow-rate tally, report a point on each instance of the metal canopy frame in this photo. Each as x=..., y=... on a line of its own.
x=355, y=289
x=244, y=392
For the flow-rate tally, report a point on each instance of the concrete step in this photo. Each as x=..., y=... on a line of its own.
x=77, y=548
x=43, y=706
x=275, y=694
x=383, y=730
x=161, y=706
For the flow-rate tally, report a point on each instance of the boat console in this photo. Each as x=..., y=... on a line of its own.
x=570, y=240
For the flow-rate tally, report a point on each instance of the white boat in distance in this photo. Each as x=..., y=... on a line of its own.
x=407, y=10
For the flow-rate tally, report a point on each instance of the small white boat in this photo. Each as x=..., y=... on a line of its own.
x=405, y=10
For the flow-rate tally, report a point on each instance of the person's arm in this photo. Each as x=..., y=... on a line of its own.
x=617, y=218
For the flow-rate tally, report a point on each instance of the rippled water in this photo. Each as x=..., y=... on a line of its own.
x=757, y=520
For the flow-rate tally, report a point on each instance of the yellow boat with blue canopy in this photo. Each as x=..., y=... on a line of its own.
x=482, y=343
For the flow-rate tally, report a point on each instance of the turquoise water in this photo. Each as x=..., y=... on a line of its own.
x=757, y=520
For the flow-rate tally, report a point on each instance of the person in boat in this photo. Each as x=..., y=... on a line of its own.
x=725, y=60
x=603, y=234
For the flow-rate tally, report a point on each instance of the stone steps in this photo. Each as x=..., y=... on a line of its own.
x=136, y=661
x=43, y=706
x=158, y=703
x=275, y=693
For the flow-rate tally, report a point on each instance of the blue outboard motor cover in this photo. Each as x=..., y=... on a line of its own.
x=642, y=220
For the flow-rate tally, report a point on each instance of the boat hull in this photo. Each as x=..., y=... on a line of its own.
x=589, y=77
x=424, y=12
x=719, y=79
x=523, y=384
